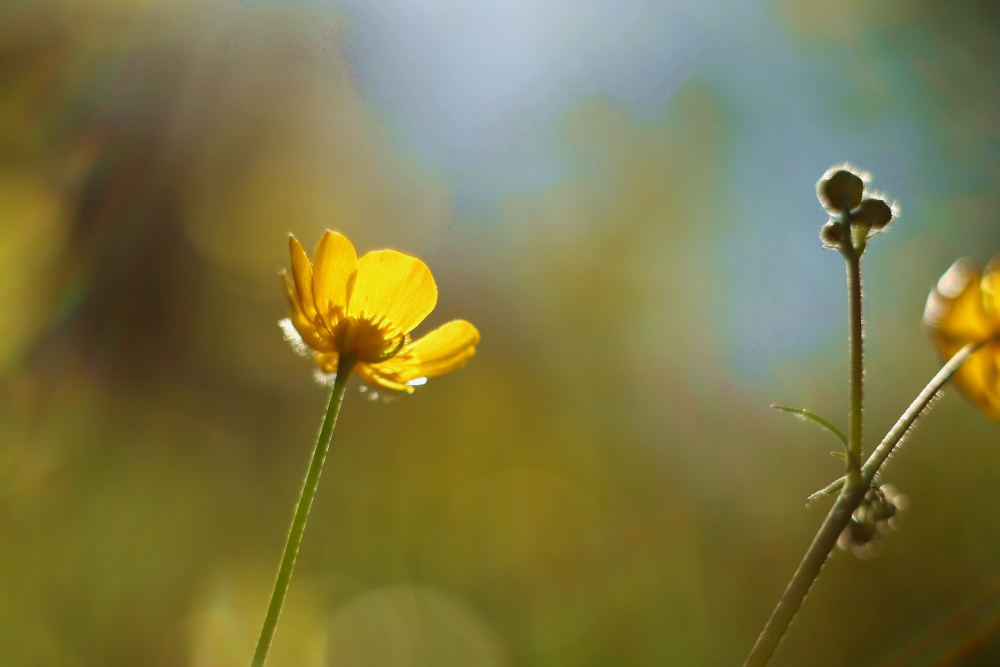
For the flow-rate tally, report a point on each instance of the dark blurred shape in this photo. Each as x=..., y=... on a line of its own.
x=877, y=514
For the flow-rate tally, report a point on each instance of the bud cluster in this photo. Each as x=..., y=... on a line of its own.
x=842, y=193
x=877, y=514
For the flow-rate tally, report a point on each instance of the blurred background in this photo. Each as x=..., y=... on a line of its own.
x=620, y=195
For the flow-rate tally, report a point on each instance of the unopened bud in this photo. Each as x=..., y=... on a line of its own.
x=840, y=190
x=876, y=503
x=874, y=212
x=862, y=531
x=832, y=234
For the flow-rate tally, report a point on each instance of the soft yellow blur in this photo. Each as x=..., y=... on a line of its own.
x=964, y=308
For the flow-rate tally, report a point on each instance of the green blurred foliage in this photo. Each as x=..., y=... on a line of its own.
x=597, y=487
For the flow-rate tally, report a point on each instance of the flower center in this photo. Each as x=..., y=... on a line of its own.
x=369, y=341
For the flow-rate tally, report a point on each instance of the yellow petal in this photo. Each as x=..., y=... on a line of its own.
x=372, y=376
x=393, y=289
x=991, y=397
x=303, y=273
x=954, y=309
x=312, y=335
x=447, y=348
x=990, y=286
x=335, y=265
x=979, y=379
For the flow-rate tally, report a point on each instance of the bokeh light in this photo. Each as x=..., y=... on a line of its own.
x=620, y=196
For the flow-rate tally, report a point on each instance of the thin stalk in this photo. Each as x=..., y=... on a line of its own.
x=344, y=368
x=840, y=514
x=855, y=430
x=903, y=424
x=920, y=403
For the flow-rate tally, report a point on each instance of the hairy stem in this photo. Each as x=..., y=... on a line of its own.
x=855, y=429
x=907, y=419
x=840, y=514
x=804, y=577
x=284, y=577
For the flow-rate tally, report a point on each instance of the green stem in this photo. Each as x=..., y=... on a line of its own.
x=804, y=577
x=345, y=366
x=840, y=514
x=857, y=364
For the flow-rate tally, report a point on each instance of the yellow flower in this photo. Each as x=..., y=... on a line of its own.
x=366, y=308
x=965, y=308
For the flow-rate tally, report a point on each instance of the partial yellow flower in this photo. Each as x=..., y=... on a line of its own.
x=366, y=308
x=965, y=308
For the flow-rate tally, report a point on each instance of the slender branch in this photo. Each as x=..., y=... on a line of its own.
x=344, y=368
x=920, y=403
x=804, y=577
x=840, y=514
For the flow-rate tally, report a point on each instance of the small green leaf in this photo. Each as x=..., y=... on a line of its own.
x=813, y=417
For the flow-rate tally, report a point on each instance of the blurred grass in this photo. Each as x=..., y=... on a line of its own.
x=599, y=486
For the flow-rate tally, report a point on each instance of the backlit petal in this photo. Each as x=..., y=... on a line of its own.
x=963, y=309
x=393, y=288
x=447, y=348
x=303, y=273
x=378, y=378
x=334, y=267
x=312, y=336
x=990, y=286
x=954, y=309
x=979, y=380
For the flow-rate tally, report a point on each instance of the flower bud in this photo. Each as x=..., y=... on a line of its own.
x=840, y=190
x=832, y=234
x=894, y=501
x=874, y=212
x=862, y=531
x=876, y=503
